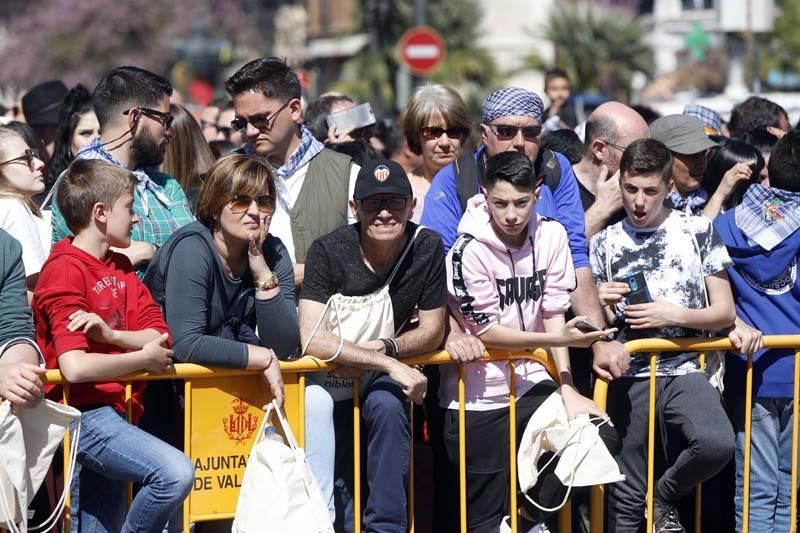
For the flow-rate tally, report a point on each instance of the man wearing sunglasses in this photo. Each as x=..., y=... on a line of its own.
x=132, y=107
x=512, y=121
x=314, y=183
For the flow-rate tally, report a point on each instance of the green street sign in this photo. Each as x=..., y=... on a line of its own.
x=697, y=42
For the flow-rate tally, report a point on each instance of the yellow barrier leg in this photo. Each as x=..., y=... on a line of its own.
x=651, y=442
x=187, y=444
x=462, y=451
x=698, y=493
x=301, y=410
x=512, y=444
x=356, y=456
x=129, y=415
x=597, y=492
x=67, y=440
x=795, y=409
x=565, y=518
x=748, y=435
x=411, y=474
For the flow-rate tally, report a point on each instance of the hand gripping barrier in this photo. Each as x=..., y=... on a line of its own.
x=652, y=347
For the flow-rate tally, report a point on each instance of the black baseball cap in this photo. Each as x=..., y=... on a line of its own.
x=41, y=104
x=381, y=176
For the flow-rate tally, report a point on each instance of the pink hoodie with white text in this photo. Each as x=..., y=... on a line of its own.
x=490, y=283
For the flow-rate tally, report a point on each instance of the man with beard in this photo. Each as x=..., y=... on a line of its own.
x=132, y=106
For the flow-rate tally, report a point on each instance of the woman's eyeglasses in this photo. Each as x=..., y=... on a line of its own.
x=378, y=204
x=165, y=119
x=242, y=202
x=28, y=157
x=506, y=132
x=260, y=122
x=454, y=133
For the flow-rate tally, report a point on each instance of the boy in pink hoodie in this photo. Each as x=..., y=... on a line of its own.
x=509, y=277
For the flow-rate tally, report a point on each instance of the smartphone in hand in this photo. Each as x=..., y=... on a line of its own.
x=639, y=294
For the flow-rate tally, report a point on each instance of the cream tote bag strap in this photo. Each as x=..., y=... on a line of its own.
x=38, y=431
x=333, y=303
x=715, y=360
x=575, y=436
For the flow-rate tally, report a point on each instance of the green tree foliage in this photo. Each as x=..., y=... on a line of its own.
x=80, y=40
x=371, y=74
x=783, y=48
x=599, y=49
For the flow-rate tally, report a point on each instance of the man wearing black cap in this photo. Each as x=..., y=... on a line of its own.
x=40, y=106
x=382, y=260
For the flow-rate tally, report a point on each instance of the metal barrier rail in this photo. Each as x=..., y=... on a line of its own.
x=653, y=346
x=294, y=377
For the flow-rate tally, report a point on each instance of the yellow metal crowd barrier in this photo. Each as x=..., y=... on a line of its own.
x=222, y=413
x=652, y=347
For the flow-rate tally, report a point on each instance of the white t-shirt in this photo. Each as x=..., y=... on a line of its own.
x=281, y=225
x=18, y=220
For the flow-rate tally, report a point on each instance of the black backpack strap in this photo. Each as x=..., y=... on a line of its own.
x=548, y=167
x=467, y=179
x=163, y=265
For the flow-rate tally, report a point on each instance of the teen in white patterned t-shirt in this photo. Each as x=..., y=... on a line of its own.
x=683, y=263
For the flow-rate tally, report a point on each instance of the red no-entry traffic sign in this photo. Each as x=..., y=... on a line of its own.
x=422, y=50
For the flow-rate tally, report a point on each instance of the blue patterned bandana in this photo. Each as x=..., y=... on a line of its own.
x=309, y=147
x=512, y=101
x=767, y=216
x=691, y=203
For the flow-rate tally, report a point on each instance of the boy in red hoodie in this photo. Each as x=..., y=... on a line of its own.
x=96, y=321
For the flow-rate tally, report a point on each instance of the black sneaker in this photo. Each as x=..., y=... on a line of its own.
x=665, y=518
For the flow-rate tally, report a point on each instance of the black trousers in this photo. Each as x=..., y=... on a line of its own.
x=694, y=441
x=488, y=471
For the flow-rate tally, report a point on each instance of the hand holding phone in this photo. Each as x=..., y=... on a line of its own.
x=639, y=294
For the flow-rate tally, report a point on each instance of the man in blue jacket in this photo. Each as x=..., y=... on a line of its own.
x=763, y=239
x=512, y=120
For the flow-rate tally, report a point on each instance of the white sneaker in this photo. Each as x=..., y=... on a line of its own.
x=505, y=527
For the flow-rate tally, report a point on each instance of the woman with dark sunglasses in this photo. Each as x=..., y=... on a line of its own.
x=436, y=124
x=224, y=278
x=22, y=178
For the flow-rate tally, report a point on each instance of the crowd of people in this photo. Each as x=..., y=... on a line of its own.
x=137, y=232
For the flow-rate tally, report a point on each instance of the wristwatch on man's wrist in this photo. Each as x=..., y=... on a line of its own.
x=266, y=284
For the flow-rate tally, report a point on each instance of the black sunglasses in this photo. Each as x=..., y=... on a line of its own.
x=260, y=122
x=28, y=157
x=165, y=119
x=378, y=204
x=242, y=202
x=454, y=133
x=506, y=132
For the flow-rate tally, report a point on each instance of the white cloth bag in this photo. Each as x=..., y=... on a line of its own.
x=583, y=458
x=356, y=319
x=28, y=440
x=279, y=492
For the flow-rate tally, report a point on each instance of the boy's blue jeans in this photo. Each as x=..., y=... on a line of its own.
x=770, y=464
x=111, y=452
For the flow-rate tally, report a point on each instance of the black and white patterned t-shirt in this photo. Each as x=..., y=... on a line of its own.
x=668, y=257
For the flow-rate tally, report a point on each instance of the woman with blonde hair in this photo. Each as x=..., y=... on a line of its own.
x=436, y=124
x=22, y=178
x=188, y=156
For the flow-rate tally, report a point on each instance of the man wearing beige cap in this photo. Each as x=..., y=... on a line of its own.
x=686, y=138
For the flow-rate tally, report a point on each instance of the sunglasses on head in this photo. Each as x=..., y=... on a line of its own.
x=378, y=204
x=506, y=132
x=241, y=202
x=259, y=122
x=28, y=157
x=165, y=119
x=430, y=132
